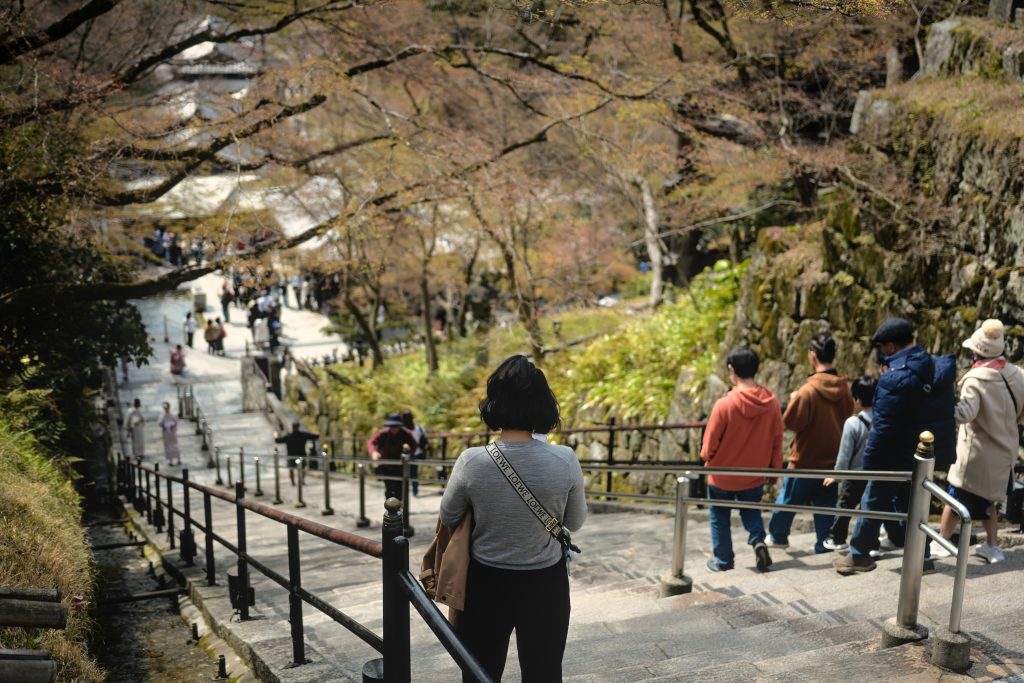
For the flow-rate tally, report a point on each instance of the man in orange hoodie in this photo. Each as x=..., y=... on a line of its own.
x=816, y=413
x=744, y=430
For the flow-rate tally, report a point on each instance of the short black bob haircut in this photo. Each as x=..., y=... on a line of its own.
x=744, y=362
x=518, y=397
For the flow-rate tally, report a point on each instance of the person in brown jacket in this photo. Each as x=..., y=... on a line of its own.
x=816, y=413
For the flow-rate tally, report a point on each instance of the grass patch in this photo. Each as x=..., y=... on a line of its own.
x=43, y=545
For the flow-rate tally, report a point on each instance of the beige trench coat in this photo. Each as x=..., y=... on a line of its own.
x=446, y=564
x=987, y=442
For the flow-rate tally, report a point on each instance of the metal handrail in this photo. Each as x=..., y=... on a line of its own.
x=130, y=482
x=961, y=552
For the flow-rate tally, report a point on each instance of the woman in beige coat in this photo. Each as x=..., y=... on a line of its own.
x=991, y=406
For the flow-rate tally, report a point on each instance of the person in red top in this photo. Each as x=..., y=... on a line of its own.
x=744, y=430
x=388, y=444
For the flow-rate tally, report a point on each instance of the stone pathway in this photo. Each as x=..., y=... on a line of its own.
x=739, y=625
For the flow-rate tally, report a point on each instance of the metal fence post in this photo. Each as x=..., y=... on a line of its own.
x=227, y=469
x=186, y=539
x=158, y=512
x=611, y=453
x=904, y=628
x=211, y=568
x=205, y=430
x=395, y=559
x=676, y=582
x=300, y=475
x=259, y=489
x=362, y=522
x=277, y=477
x=170, y=515
x=241, y=465
x=325, y=459
x=243, y=564
x=167, y=337
x=149, y=501
x=407, y=530
x=294, y=601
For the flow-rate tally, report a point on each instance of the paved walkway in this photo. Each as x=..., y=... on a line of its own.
x=740, y=625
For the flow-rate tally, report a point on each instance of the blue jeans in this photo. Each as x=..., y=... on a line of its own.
x=803, y=492
x=721, y=529
x=880, y=496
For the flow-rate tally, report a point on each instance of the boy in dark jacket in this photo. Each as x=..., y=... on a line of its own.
x=915, y=394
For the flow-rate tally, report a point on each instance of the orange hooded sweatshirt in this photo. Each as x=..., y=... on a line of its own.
x=816, y=414
x=744, y=430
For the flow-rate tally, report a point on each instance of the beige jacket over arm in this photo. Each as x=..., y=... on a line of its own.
x=987, y=442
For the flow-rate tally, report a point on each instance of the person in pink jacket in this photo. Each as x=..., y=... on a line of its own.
x=744, y=430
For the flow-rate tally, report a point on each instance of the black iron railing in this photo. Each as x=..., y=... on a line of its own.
x=142, y=487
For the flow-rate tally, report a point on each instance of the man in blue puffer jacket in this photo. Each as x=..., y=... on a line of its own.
x=914, y=394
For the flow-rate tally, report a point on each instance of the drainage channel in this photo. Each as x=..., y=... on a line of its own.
x=140, y=634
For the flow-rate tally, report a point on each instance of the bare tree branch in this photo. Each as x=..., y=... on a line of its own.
x=15, y=47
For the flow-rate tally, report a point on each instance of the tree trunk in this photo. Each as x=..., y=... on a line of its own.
x=427, y=321
x=526, y=309
x=368, y=330
x=651, y=240
x=468, y=282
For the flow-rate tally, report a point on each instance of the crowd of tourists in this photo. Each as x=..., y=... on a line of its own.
x=873, y=423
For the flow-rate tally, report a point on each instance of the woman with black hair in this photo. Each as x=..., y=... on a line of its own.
x=517, y=577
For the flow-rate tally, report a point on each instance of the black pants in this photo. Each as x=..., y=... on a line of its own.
x=189, y=336
x=535, y=603
x=850, y=493
x=393, y=489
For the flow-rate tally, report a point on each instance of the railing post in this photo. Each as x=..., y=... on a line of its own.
x=407, y=531
x=205, y=432
x=138, y=500
x=186, y=539
x=211, y=568
x=243, y=564
x=611, y=453
x=149, y=500
x=216, y=459
x=259, y=489
x=299, y=475
x=904, y=628
x=325, y=459
x=241, y=465
x=362, y=522
x=395, y=559
x=170, y=515
x=158, y=512
x=167, y=337
x=277, y=477
x=676, y=582
x=951, y=649
x=294, y=601
x=227, y=468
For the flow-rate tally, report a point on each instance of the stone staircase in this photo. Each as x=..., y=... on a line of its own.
x=799, y=622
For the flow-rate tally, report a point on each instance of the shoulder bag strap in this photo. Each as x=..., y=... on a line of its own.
x=550, y=522
x=1012, y=397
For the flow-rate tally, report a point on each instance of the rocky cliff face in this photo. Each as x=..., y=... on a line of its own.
x=927, y=221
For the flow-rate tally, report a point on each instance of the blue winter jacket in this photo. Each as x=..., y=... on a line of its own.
x=916, y=394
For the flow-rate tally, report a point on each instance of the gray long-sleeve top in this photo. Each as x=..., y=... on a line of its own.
x=507, y=534
x=853, y=442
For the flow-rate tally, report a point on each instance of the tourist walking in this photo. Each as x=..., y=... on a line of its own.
x=990, y=408
x=815, y=414
x=851, y=457
x=190, y=329
x=211, y=334
x=221, y=334
x=295, y=446
x=169, y=427
x=225, y=301
x=744, y=430
x=136, y=429
x=178, y=361
x=517, y=578
x=913, y=395
x=389, y=444
x=420, y=434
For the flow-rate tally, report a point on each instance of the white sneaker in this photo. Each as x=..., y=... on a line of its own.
x=832, y=545
x=939, y=551
x=885, y=545
x=989, y=553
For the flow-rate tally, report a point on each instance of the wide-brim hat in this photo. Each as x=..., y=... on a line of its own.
x=988, y=341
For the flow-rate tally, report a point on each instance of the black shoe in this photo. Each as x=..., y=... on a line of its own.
x=713, y=566
x=929, y=566
x=764, y=560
